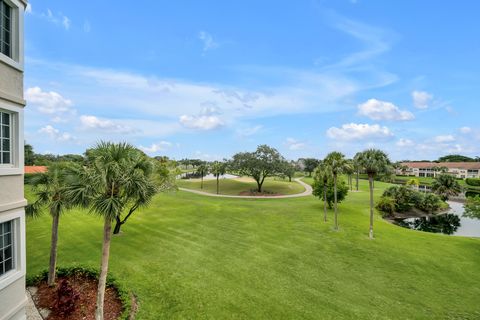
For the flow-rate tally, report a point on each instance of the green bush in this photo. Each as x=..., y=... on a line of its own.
x=430, y=203
x=386, y=205
x=475, y=182
x=405, y=198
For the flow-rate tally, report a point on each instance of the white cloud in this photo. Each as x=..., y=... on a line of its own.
x=92, y=122
x=382, y=110
x=353, y=131
x=405, y=143
x=66, y=22
x=249, y=131
x=465, y=130
x=421, y=99
x=58, y=19
x=157, y=147
x=28, y=9
x=294, y=144
x=48, y=102
x=201, y=122
x=444, y=138
x=56, y=134
x=207, y=40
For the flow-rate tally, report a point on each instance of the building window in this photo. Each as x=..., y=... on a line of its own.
x=5, y=29
x=5, y=138
x=6, y=247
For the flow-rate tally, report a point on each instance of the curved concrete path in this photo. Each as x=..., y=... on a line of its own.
x=307, y=192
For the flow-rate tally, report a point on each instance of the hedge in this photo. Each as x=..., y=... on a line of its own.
x=473, y=182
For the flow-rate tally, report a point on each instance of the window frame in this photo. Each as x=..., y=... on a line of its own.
x=15, y=59
x=16, y=166
x=11, y=126
x=13, y=235
x=19, y=269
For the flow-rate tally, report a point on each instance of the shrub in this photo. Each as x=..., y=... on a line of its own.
x=386, y=205
x=66, y=298
x=405, y=198
x=475, y=182
x=430, y=203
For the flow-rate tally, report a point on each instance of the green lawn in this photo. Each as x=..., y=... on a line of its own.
x=195, y=257
x=236, y=187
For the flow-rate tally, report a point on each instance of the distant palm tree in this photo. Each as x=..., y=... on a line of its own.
x=349, y=170
x=202, y=170
x=108, y=187
x=357, y=169
x=323, y=174
x=50, y=191
x=337, y=163
x=446, y=186
x=373, y=162
x=218, y=169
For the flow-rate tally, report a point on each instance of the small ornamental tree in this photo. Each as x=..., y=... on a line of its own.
x=217, y=169
x=446, y=186
x=260, y=164
x=373, y=162
x=327, y=191
x=338, y=164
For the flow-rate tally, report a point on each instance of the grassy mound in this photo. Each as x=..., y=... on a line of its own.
x=243, y=186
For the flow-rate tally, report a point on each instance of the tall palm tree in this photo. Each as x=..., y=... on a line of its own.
x=322, y=175
x=50, y=191
x=218, y=169
x=373, y=162
x=446, y=186
x=108, y=186
x=337, y=164
x=202, y=170
x=349, y=170
x=357, y=168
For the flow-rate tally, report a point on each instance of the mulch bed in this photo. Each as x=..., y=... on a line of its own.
x=46, y=297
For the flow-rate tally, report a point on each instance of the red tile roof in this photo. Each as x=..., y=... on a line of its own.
x=450, y=165
x=35, y=169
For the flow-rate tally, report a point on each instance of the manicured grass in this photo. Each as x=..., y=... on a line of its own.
x=195, y=257
x=236, y=186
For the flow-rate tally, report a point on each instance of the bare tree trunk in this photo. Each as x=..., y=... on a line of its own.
x=217, y=183
x=53, y=250
x=102, y=280
x=335, y=199
x=370, y=182
x=201, y=183
x=325, y=202
x=357, y=179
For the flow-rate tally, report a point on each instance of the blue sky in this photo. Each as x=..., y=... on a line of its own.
x=209, y=79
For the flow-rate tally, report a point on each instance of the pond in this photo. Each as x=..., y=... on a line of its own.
x=453, y=222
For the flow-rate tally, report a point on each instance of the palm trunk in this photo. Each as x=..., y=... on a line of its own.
x=357, y=179
x=370, y=183
x=217, y=183
x=102, y=280
x=201, y=183
x=325, y=202
x=335, y=199
x=53, y=249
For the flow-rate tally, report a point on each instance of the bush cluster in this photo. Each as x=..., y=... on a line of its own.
x=474, y=182
x=403, y=199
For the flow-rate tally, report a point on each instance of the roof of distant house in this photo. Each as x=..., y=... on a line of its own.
x=450, y=165
x=35, y=169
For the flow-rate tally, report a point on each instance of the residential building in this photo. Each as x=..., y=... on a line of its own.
x=459, y=170
x=12, y=201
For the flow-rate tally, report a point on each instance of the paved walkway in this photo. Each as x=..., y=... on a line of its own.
x=30, y=309
x=307, y=192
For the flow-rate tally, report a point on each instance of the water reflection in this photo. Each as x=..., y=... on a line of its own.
x=445, y=223
x=454, y=222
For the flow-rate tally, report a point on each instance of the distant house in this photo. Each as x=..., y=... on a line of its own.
x=12, y=200
x=35, y=169
x=459, y=170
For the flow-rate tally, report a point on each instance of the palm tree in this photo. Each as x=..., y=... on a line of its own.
x=322, y=174
x=108, y=186
x=446, y=186
x=202, y=170
x=218, y=169
x=373, y=162
x=357, y=169
x=349, y=170
x=50, y=191
x=337, y=164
